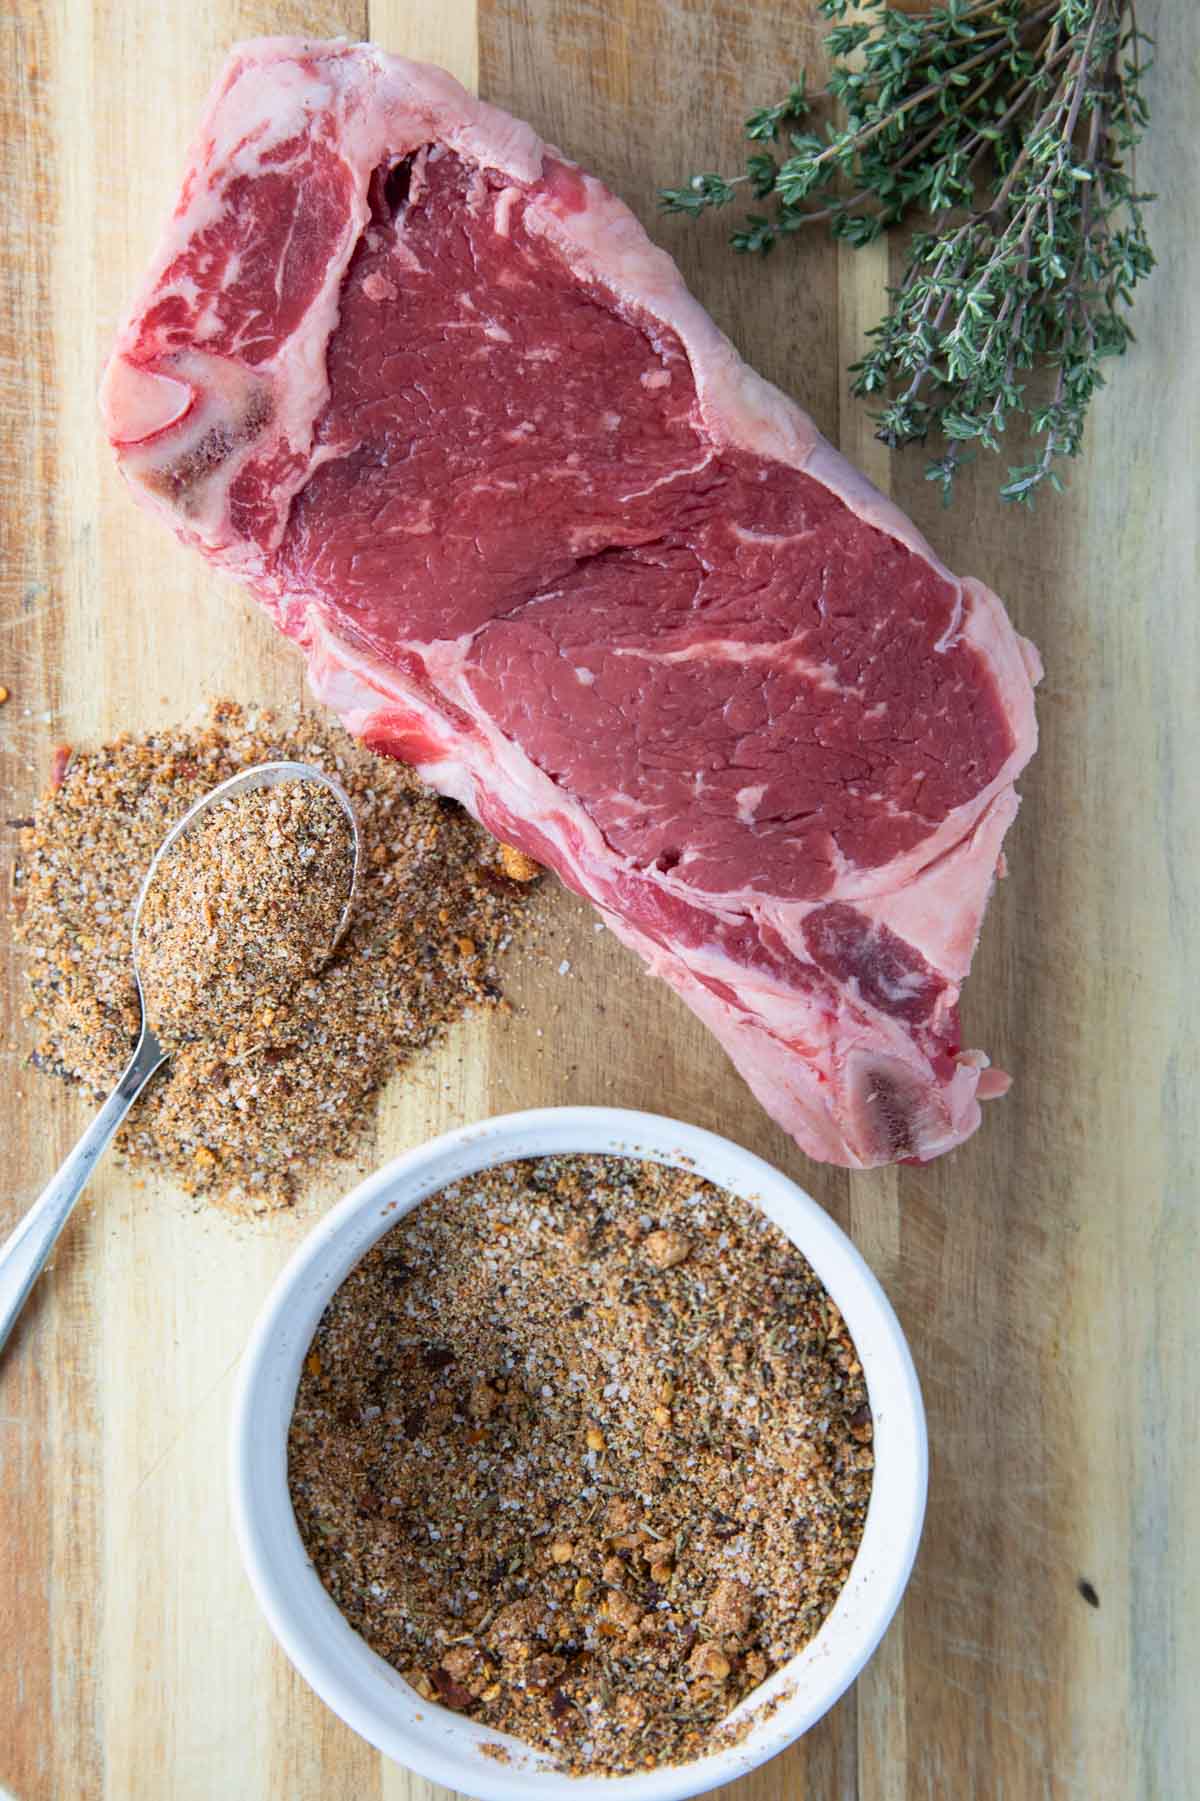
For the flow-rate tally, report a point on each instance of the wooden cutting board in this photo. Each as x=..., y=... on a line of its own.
x=1046, y=1273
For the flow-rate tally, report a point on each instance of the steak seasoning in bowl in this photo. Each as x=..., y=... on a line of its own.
x=583, y=1449
x=579, y=1445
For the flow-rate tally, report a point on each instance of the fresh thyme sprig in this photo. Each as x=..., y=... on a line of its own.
x=1013, y=124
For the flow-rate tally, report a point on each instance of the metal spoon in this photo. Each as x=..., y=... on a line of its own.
x=24, y=1253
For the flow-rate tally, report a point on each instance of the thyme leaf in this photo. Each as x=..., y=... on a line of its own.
x=1012, y=126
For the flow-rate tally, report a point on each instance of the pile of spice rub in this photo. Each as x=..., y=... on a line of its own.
x=583, y=1448
x=268, y=1087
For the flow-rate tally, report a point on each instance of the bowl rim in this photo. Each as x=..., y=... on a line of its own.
x=286, y=1585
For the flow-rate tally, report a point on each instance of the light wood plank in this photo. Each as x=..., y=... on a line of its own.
x=446, y=34
x=875, y=1197
x=49, y=1577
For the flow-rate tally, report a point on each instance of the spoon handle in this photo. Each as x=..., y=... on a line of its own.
x=24, y=1252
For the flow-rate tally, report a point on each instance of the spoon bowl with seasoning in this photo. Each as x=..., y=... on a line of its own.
x=171, y=935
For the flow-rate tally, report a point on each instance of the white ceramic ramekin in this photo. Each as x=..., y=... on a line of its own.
x=365, y=1691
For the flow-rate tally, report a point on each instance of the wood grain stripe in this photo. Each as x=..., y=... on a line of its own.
x=38, y=1389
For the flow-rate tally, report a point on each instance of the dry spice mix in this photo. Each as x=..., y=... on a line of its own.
x=270, y=1090
x=582, y=1447
x=243, y=909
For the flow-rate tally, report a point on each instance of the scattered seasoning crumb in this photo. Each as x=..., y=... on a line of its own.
x=584, y=1489
x=516, y=865
x=248, y=1117
x=242, y=910
x=4, y=695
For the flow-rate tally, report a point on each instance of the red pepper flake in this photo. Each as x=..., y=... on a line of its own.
x=452, y=1693
x=60, y=762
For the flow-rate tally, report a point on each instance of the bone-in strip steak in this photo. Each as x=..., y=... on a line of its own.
x=431, y=392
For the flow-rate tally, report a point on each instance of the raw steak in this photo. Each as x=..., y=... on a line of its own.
x=431, y=392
